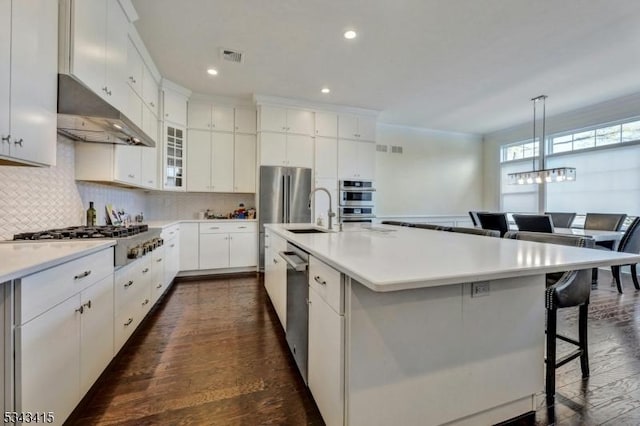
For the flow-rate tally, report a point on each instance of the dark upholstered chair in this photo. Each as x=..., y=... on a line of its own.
x=561, y=220
x=496, y=221
x=474, y=217
x=431, y=226
x=605, y=222
x=475, y=231
x=534, y=223
x=393, y=222
x=630, y=243
x=564, y=290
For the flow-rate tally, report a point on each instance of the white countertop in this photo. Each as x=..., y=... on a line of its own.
x=166, y=223
x=389, y=258
x=20, y=259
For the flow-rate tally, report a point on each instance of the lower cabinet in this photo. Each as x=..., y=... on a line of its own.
x=275, y=275
x=132, y=296
x=171, y=237
x=158, y=286
x=227, y=245
x=189, y=246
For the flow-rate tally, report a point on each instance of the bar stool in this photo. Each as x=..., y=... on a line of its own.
x=564, y=290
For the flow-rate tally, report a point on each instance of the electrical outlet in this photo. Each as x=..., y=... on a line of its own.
x=480, y=289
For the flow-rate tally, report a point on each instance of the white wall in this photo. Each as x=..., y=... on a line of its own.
x=438, y=173
x=616, y=109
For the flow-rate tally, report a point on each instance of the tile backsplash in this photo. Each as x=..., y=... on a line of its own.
x=38, y=198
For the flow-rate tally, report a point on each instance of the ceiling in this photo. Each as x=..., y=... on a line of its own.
x=456, y=65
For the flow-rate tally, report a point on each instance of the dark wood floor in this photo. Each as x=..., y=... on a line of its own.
x=212, y=353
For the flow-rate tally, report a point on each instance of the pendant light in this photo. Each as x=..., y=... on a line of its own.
x=557, y=174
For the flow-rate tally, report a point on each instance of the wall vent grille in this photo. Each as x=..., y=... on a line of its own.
x=396, y=149
x=381, y=148
x=231, y=55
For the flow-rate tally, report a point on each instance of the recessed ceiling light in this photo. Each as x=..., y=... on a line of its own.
x=350, y=34
x=212, y=71
x=325, y=90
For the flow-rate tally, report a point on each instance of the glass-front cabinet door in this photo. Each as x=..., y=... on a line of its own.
x=174, y=158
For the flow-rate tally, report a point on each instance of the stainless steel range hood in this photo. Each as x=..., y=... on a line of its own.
x=85, y=116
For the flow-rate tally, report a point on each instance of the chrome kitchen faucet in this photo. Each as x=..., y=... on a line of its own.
x=330, y=213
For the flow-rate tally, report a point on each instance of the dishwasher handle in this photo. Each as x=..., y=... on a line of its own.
x=295, y=261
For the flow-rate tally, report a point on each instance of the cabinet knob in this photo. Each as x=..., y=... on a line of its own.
x=146, y=301
x=88, y=304
x=131, y=176
x=6, y=139
x=80, y=309
x=275, y=261
x=237, y=127
x=213, y=125
x=145, y=270
x=159, y=286
x=104, y=89
x=152, y=104
x=128, y=322
x=129, y=284
x=18, y=142
x=159, y=260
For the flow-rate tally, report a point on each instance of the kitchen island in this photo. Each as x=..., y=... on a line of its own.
x=432, y=327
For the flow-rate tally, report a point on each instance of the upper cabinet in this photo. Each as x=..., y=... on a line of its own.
x=205, y=116
x=174, y=107
x=276, y=119
x=245, y=120
x=98, y=48
x=326, y=124
x=28, y=81
x=134, y=67
x=356, y=127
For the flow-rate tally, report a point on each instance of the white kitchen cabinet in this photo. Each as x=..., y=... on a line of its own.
x=132, y=288
x=279, y=149
x=149, y=155
x=326, y=124
x=127, y=164
x=211, y=161
x=326, y=341
x=295, y=121
x=356, y=159
x=28, y=81
x=275, y=275
x=244, y=163
x=245, y=120
x=174, y=107
x=109, y=163
x=174, y=158
x=171, y=237
x=356, y=127
x=228, y=245
x=189, y=246
x=206, y=116
x=134, y=107
x=150, y=91
x=98, y=54
x=326, y=158
x=158, y=286
x=134, y=67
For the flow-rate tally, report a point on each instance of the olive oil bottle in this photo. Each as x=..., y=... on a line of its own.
x=91, y=215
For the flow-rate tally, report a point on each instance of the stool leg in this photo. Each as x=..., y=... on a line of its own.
x=550, y=383
x=616, y=275
x=634, y=276
x=582, y=338
x=594, y=277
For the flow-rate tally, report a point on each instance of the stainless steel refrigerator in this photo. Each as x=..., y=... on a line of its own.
x=284, y=198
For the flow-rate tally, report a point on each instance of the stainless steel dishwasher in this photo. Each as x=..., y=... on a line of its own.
x=297, y=304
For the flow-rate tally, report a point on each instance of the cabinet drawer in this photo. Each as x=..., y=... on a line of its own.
x=170, y=232
x=327, y=282
x=43, y=290
x=132, y=284
x=226, y=228
x=275, y=242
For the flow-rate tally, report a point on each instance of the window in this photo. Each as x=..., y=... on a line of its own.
x=520, y=151
x=596, y=137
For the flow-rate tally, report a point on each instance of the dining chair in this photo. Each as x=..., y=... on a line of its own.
x=563, y=290
x=432, y=226
x=474, y=217
x=561, y=219
x=475, y=231
x=496, y=221
x=630, y=243
x=606, y=222
x=534, y=223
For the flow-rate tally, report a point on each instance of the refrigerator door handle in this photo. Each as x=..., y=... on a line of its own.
x=283, y=184
x=288, y=180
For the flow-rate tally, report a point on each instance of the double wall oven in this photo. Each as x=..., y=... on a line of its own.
x=357, y=201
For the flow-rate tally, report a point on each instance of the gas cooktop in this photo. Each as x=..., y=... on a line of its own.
x=76, y=232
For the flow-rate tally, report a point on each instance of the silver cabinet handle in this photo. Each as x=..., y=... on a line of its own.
x=80, y=309
x=18, y=142
x=319, y=280
x=172, y=245
x=159, y=286
x=128, y=322
x=82, y=275
x=88, y=304
x=129, y=284
x=145, y=270
x=242, y=227
x=159, y=260
x=146, y=301
x=104, y=89
x=214, y=227
x=6, y=139
x=131, y=176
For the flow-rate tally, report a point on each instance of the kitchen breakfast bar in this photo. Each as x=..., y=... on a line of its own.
x=412, y=326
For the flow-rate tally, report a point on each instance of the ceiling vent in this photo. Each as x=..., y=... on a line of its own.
x=381, y=148
x=396, y=149
x=231, y=55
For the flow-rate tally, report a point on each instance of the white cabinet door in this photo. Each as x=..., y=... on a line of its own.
x=199, y=115
x=244, y=171
x=367, y=128
x=366, y=160
x=128, y=162
x=243, y=249
x=149, y=166
x=199, y=161
x=299, y=151
x=5, y=73
x=326, y=355
x=326, y=158
x=173, y=157
x=347, y=159
x=172, y=260
x=175, y=107
x=150, y=90
x=134, y=107
x=222, y=118
x=299, y=122
x=245, y=120
x=56, y=334
x=222, y=162
x=273, y=149
x=279, y=285
x=347, y=126
x=273, y=119
x=134, y=68
x=34, y=80
x=89, y=46
x=116, y=55
x=326, y=124
x=214, y=251
x=189, y=246
x=96, y=331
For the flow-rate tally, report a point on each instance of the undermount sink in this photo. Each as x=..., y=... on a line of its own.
x=307, y=231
